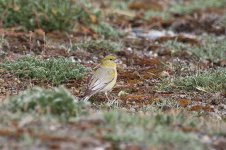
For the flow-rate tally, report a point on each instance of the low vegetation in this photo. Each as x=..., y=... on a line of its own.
x=207, y=81
x=154, y=130
x=211, y=48
x=39, y=14
x=183, y=8
x=97, y=46
x=211, y=80
x=151, y=127
x=53, y=70
x=50, y=16
x=57, y=101
x=186, y=8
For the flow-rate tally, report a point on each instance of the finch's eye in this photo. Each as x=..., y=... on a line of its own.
x=111, y=59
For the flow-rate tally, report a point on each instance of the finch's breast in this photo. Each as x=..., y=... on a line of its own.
x=111, y=84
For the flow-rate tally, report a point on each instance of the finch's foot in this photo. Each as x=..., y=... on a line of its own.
x=106, y=94
x=113, y=103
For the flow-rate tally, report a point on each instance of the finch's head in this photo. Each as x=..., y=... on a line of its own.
x=109, y=61
x=110, y=57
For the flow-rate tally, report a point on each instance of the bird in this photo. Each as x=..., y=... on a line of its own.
x=103, y=79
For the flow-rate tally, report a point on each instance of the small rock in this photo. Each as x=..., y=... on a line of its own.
x=2, y=81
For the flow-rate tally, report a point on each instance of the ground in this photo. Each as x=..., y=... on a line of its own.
x=171, y=86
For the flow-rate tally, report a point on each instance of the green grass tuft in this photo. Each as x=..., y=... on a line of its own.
x=99, y=46
x=222, y=21
x=209, y=81
x=211, y=49
x=176, y=46
x=106, y=30
x=164, y=15
x=148, y=130
x=3, y=42
x=57, y=101
x=182, y=8
x=55, y=70
x=48, y=15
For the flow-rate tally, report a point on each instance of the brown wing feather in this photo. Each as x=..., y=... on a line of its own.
x=102, y=77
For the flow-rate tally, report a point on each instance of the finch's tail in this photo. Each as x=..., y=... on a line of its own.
x=88, y=95
x=86, y=98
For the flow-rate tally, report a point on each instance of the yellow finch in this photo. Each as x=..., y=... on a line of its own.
x=104, y=78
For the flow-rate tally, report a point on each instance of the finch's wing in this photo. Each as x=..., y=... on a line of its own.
x=101, y=78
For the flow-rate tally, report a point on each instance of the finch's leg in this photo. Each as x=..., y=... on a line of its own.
x=106, y=94
x=111, y=102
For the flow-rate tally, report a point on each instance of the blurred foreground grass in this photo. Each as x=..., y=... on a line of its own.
x=51, y=15
x=39, y=109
